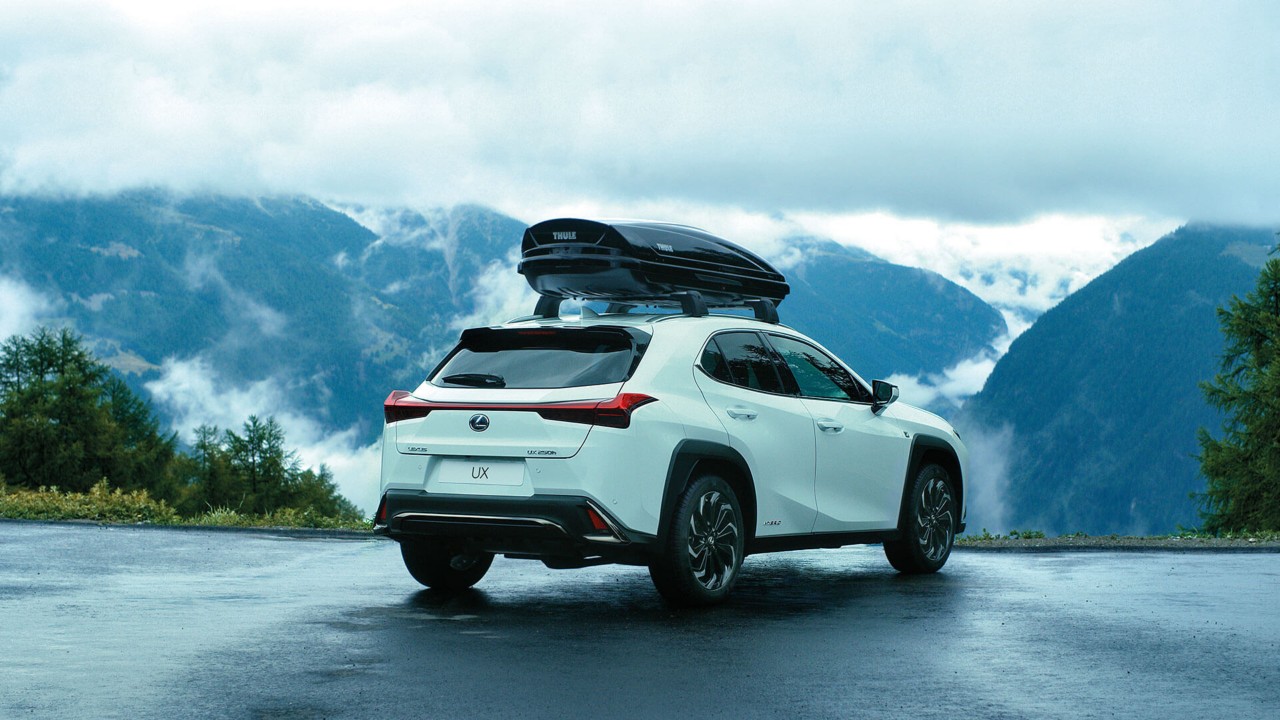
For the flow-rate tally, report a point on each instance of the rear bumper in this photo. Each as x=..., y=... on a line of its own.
x=555, y=528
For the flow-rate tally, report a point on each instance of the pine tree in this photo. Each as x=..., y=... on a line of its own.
x=261, y=461
x=207, y=480
x=1243, y=468
x=67, y=421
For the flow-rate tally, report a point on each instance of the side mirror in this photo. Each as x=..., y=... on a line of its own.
x=884, y=393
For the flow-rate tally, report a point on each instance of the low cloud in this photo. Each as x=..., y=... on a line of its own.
x=22, y=307
x=1022, y=269
x=949, y=388
x=193, y=394
x=400, y=227
x=202, y=270
x=498, y=294
x=989, y=449
x=988, y=480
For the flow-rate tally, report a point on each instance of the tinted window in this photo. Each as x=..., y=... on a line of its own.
x=749, y=360
x=713, y=362
x=817, y=374
x=540, y=358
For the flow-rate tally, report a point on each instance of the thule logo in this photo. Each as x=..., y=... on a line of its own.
x=664, y=247
x=570, y=235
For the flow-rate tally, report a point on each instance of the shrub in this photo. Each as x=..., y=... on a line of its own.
x=286, y=517
x=100, y=503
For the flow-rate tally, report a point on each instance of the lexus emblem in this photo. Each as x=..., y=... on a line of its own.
x=479, y=423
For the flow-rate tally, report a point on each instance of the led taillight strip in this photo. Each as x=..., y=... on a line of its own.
x=614, y=413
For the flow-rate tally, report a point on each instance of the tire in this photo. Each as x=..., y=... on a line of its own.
x=929, y=527
x=443, y=568
x=701, y=558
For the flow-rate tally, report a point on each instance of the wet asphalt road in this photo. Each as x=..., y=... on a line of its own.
x=100, y=622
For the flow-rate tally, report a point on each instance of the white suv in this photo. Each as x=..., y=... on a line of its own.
x=683, y=442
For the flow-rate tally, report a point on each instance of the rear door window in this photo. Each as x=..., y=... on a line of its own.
x=748, y=362
x=541, y=358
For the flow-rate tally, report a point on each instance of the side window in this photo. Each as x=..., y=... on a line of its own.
x=817, y=374
x=749, y=361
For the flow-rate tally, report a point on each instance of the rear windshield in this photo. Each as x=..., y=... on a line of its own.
x=541, y=358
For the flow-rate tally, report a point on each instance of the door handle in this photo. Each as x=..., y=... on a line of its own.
x=830, y=426
x=741, y=413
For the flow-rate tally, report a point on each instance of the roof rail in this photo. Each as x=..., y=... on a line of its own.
x=764, y=309
x=691, y=304
x=547, y=307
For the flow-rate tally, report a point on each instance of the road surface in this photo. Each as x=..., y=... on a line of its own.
x=117, y=622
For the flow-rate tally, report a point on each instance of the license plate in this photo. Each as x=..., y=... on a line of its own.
x=482, y=472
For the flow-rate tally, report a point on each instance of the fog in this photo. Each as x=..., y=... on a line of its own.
x=193, y=393
x=22, y=308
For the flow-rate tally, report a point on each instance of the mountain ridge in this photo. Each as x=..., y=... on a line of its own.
x=1101, y=394
x=343, y=304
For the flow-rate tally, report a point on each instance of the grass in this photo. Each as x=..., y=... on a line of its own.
x=107, y=505
x=988, y=537
x=287, y=517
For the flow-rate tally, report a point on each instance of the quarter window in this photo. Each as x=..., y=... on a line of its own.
x=818, y=374
x=713, y=362
x=748, y=360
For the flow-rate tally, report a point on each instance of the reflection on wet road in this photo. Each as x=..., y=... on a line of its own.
x=118, y=622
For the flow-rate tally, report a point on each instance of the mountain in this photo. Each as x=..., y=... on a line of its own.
x=883, y=318
x=281, y=288
x=339, y=306
x=1099, y=398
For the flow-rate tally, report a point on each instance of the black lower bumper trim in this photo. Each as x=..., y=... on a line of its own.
x=548, y=526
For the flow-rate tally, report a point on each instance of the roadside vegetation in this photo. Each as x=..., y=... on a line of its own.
x=1184, y=537
x=103, y=504
x=76, y=443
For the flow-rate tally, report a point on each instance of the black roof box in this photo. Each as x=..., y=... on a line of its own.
x=643, y=263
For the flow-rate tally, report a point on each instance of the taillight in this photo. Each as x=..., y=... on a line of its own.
x=380, y=518
x=396, y=408
x=615, y=413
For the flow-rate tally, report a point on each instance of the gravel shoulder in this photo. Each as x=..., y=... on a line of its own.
x=1119, y=543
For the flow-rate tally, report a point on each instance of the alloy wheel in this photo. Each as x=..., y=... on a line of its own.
x=713, y=541
x=934, y=519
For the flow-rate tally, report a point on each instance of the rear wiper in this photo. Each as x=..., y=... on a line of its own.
x=476, y=380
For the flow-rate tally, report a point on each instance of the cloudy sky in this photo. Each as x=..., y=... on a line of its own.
x=976, y=112
x=1045, y=140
